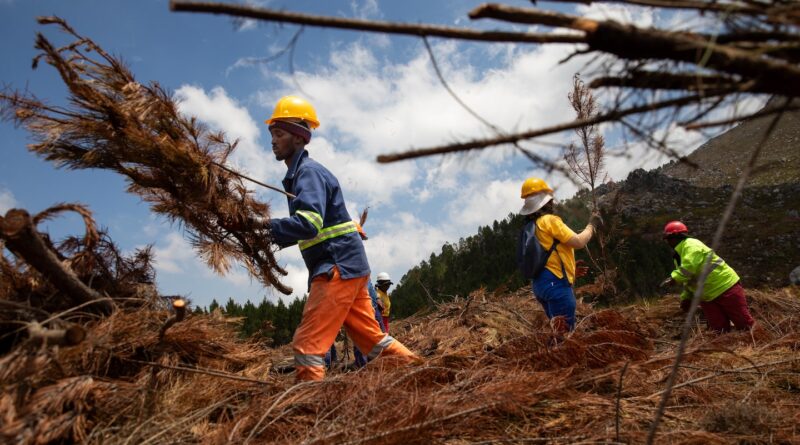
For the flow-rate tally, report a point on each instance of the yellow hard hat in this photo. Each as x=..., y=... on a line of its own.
x=531, y=186
x=293, y=107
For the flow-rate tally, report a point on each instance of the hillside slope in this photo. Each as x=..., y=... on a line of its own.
x=721, y=159
x=761, y=242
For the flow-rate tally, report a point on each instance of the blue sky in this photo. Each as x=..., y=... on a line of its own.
x=374, y=94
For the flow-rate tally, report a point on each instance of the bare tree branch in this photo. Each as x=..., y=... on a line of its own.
x=667, y=81
x=513, y=138
x=689, y=125
x=370, y=25
x=538, y=160
x=630, y=42
x=712, y=6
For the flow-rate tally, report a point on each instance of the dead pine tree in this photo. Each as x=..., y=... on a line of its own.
x=587, y=162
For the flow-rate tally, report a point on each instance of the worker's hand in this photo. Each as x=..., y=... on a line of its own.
x=685, y=305
x=380, y=306
x=667, y=282
x=581, y=269
x=596, y=221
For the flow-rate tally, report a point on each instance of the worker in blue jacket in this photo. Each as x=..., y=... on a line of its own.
x=331, y=248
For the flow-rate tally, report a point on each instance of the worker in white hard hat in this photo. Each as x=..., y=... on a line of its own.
x=384, y=282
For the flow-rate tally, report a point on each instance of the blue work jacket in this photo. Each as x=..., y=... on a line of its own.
x=319, y=222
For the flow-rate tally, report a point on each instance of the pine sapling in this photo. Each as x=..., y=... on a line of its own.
x=587, y=161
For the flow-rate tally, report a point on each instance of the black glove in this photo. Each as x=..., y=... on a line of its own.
x=666, y=282
x=685, y=304
x=596, y=221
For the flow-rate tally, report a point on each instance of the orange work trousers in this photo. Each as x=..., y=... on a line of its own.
x=332, y=303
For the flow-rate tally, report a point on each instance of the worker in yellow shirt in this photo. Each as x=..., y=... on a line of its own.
x=546, y=253
x=384, y=303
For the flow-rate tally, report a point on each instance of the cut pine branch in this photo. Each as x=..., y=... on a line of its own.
x=178, y=314
x=22, y=239
x=70, y=336
x=170, y=160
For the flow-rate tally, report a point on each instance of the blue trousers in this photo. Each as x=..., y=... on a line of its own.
x=556, y=296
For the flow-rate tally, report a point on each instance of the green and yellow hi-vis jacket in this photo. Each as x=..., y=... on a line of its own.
x=693, y=255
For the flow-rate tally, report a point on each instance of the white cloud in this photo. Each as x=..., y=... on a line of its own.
x=222, y=113
x=173, y=254
x=7, y=200
x=361, y=176
x=386, y=108
x=403, y=241
x=484, y=202
x=642, y=17
x=366, y=9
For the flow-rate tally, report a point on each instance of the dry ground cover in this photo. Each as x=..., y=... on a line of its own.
x=490, y=375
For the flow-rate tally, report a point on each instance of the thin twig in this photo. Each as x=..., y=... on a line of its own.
x=736, y=119
x=700, y=6
x=619, y=397
x=254, y=181
x=203, y=371
x=453, y=94
x=199, y=414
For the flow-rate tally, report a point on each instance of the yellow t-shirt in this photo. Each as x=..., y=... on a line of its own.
x=549, y=227
x=387, y=303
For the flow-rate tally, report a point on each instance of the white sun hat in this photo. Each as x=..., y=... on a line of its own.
x=535, y=202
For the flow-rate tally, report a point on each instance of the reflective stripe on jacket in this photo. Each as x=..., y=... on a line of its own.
x=319, y=222
x=693, y=255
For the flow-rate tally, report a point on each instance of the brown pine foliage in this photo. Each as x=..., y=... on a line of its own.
x=28, y=294
x=493, y=372
x=115, y=123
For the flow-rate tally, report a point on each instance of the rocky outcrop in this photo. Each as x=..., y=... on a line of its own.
x=761, y=240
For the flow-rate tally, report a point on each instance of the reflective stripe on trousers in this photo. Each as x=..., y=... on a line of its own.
x=309, y=360
x=383, y=344
x=332, y=303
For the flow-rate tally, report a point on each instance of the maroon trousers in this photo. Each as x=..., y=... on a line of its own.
x=730, y=307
